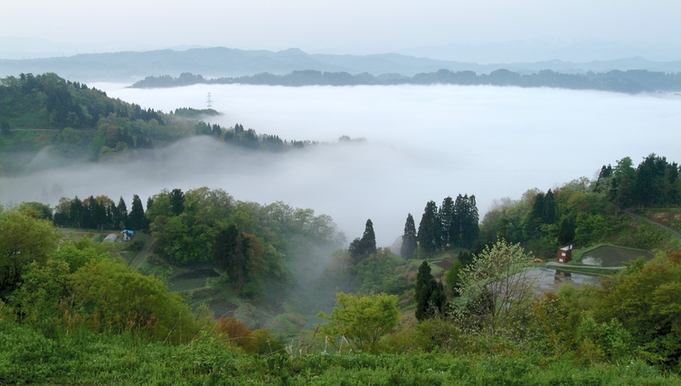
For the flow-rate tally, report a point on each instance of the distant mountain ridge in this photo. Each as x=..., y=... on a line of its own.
x=632, y=81
x=226, y=62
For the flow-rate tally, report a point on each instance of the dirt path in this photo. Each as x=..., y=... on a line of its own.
x=144, y=252
x=673, y=231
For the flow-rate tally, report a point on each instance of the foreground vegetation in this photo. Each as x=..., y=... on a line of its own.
x=72, y=312
x=87, y=358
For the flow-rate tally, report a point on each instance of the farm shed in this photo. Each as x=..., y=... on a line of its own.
x=127, y=234
x=565, y=254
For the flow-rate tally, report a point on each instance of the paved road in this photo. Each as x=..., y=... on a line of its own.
x=674, y=231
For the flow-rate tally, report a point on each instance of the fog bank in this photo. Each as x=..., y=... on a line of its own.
x=423, y=143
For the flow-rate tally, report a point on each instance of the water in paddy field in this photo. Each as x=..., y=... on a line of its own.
x=611, y=256
x=551, y=280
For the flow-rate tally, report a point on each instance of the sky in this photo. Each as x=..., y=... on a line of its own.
x=349, y=26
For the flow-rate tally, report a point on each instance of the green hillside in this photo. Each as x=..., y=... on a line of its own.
x=75, y=123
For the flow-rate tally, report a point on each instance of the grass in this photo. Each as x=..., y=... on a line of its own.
x=27, y=357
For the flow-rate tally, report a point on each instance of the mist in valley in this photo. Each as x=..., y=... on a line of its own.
x=422, y=143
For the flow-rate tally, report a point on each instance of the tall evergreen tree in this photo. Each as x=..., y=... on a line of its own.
x=88, y=220
x=369, y=238
x=98, y=214
x=446, y=215
x=566, y=232
x=430, y=230
x=76, y=213
x=422, y=293
x=122, y=214
x=533, y=220
x=465, y=228
x=430, y=294
x=549, y=214
x=362, y=248
x=176, y=202
x=409, y=242
x=470, y=223
x=136, y=220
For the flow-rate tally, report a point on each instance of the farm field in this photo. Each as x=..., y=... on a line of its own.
x=612, y=256
x=190, y=280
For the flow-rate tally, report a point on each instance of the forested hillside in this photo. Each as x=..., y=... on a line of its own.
x=76, y=123
x=72, y=311
x=584, y=212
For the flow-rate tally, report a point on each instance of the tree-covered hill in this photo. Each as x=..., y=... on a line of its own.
x=71, y=311
x=77, y=123
x=584, y=212
x=631, y=81
x=48, y=101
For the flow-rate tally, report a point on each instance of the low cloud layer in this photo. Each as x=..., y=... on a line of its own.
x=423, y=143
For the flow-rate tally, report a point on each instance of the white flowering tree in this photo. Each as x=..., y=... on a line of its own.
x=496, y=288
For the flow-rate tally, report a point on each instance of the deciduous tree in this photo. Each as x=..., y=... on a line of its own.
x=361, y=319
x=499, y=270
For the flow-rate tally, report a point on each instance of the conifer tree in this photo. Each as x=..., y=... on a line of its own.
x=369, y=238
x=362, y=248
x=566, y=232
x=409, y=242
x=136, y=219
x=176, y=202
x=76, y=213
x=446, y=215
x=470, y=223
x=422, y=294
x=430, y=294
x=549, y=215
x=430, y=230
x=121, y=214
x=458, y=220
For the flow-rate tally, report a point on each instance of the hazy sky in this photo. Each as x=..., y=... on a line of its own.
x=351, y=26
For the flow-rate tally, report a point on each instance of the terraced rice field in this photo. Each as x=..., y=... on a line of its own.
x=610, y=256
x=190, y=280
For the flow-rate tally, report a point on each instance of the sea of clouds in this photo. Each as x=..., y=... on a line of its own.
x=422, y=143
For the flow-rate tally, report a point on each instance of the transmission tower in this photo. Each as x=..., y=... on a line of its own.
x=209, y=102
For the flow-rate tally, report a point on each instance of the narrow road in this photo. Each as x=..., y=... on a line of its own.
x=673, y=231
x=144, y=252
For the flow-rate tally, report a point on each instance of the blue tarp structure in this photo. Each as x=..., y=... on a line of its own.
x=127, y=234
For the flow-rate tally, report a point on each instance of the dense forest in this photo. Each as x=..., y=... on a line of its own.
x=584, y=212
x=73, y=309
x=81, y=124
x=631, y=81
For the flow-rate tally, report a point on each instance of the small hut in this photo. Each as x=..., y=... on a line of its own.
x=127, y=234
x=565, y=254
